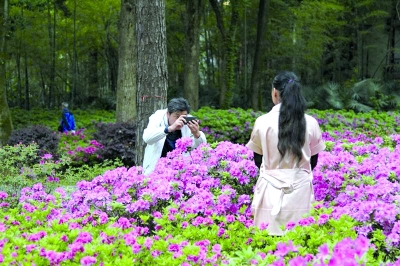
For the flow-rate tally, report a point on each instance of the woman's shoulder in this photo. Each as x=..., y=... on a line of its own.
x=265, y=119
x=310, y=119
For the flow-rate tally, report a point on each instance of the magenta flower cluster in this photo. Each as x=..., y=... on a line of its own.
x=209, y=189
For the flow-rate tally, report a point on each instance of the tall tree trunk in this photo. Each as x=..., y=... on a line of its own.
x=360, y=52
x=255, y=74
x=5, y=115
x=19, y=79
x=27, y=99
x=228, y=50
x=52, y=44
x=152, y=73
x=112, y=63
x=209, y=78
x=192, y=52
x=93, y=77
x=74, y=63
x=126, y=82
x=392, y=37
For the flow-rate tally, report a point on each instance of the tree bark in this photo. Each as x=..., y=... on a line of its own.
x=126, y=82
x=112, y=61
x=27, y=99
x=228, y=50
x=192, y=52
x=52, y=44
x=152, y=73
x=93, y=78
x=5, y=115
x=74, y=62
x=392, y=36
x=255, y=73
x=19, y=79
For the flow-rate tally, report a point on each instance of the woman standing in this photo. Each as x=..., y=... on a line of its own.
x=289, y=142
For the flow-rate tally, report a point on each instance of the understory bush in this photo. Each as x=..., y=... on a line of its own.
x=46, y=139
x=117, y=141
x=21, y=166
x=234, y=125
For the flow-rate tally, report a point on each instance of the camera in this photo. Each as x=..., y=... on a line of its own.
x=189, y=118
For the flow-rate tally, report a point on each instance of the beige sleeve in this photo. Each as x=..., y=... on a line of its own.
x=254, y=143
x=317, y=144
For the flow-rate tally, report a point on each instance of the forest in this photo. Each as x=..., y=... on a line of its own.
x=219, y=53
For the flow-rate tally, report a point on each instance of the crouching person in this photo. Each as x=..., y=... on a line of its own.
x=165, y=127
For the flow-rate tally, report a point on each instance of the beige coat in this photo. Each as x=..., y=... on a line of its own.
x=284, y=190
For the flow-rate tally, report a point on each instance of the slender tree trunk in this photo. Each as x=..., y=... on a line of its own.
x=255, y=74
x=228, y=50
x=51, y=24
x=209, y=78
x=360, y=53
x=192, y=52
x=5, y=116
x=74, y=63
x=126, y=82
x=392, y=37
x=27, y=99
x=19, y=79
x=112, y=60
x=152, y=73
x=43, y=96
x=93, y=78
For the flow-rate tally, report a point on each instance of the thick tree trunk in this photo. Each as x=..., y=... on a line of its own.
x=255, y=74
x=152, y=73
x=5, y=116
x=192, y=52
x=126, y=83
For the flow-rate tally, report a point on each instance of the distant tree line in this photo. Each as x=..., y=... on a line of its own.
x=133, y=56
x=220, y=53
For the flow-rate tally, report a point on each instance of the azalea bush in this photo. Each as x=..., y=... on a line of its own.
x=194, y=209
x=234, y=125
x=189, y=211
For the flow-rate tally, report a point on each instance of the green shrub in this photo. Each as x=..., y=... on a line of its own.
x=22, y=167
x=234, y=125
x=16, y=169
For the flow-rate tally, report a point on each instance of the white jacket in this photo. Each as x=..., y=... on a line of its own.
x=154, y=136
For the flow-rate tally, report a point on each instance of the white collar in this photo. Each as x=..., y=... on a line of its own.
x=276, y=108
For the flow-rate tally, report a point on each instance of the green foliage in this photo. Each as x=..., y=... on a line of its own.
x=234, y=125
x=13, y=160
x=85, y=118
x=46, y=139
x=22, y=167
x=379, y=124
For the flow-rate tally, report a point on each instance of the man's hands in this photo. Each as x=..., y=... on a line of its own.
x=180, y=122
x=194, y=128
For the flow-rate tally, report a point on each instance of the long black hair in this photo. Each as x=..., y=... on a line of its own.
x=292, y=123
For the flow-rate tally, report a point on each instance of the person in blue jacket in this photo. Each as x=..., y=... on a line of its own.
x=67, y=121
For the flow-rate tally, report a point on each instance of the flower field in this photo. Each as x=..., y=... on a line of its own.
x=194, y=210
